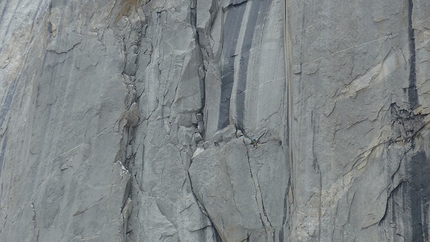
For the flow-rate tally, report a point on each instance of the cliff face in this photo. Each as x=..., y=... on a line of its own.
x=233, y=120
x=359, y=134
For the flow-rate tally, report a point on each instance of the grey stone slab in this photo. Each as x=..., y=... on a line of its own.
x=202, y=120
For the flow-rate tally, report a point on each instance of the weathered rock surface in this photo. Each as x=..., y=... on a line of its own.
x=203, y=120
x=358, y=125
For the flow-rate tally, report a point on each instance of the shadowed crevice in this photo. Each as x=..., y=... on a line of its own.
x=419, y=194
x=412, y=89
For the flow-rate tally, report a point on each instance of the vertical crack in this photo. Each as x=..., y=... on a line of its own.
x=419, y=194
x=288, y=200
x=130, y=119
x=412, y=89
x=259, y=199
x=36, y=230
x=200, y=128
x=288, y=70
x=414, y=193
x=202, y=70
x=317, y=169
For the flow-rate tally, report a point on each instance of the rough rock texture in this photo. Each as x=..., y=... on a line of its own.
x=359, y=134
x=205, y=120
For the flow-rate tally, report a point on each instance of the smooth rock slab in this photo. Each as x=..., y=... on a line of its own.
x=223, y=183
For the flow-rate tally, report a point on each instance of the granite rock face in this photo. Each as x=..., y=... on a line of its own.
x=358, y=131
x=204, y=120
